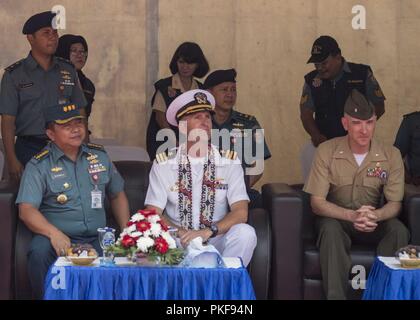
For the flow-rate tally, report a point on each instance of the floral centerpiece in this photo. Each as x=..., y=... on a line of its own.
x=147, y=235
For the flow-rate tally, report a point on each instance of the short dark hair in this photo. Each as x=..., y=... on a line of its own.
x=49, y=125
x=190, y=52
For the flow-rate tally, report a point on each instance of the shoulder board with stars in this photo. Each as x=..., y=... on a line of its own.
x=229, y=154
x=244, y=116
x=13, y=66
x=412, y=113
x=96, y=146
x=42, y=155
x=163, y=156
x=65, y=60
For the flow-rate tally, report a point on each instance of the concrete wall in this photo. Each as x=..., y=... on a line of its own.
x=267, y=41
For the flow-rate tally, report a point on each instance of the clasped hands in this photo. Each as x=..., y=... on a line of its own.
x=365, y=219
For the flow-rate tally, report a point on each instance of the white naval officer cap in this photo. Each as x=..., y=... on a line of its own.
x=188, y=103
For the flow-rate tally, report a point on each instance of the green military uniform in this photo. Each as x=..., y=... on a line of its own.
x=408, y=141
x=27, y=89
x=237, y=124
x=62, y=190
x=336, y=176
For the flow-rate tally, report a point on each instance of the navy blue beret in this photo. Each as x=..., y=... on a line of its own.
x=38, y=21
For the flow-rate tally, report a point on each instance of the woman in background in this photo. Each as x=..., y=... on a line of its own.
x=75, y=49
x=187, y=62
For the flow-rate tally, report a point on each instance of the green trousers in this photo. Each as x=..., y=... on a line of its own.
x=335, y=238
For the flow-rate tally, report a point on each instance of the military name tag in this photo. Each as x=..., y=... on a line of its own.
x=26, y=85
x=96, y=199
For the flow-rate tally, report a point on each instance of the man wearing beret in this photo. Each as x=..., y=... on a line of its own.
x=348, y=178
x=62, y=192
x=325, y=91
x=198, y=187
x=30, y=85
x=240, y=126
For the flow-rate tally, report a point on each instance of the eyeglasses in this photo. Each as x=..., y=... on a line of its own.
x=83, y=53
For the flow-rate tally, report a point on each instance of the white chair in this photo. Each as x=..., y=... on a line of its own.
x=126, y=153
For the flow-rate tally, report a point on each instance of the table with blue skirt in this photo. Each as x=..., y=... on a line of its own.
x=389, y=281
x=126, y=281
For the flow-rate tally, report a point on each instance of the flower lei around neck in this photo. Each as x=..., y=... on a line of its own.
x=208, y=190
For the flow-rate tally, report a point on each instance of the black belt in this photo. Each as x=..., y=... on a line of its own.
x=34, y=139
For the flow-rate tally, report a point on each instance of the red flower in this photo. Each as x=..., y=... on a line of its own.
x=143, y=225
x=163, y=225
x=161, y=245
x=130, y=223
x=128, y=241
x=147, y=213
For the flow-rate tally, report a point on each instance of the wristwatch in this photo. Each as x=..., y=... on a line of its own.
x=214, y=230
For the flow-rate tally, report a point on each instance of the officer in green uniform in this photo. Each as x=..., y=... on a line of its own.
x=348, y=178
x=62, y=192
x=408, y=141
x=30, y=85
x=240, y=126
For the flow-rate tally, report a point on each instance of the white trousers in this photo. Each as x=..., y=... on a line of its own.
x=240, y=241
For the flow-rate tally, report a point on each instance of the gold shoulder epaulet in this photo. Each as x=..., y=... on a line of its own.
x=163, y=156
x=41, y=155
x=96, y=146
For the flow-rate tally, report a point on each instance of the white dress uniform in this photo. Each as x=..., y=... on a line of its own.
x=162, y=193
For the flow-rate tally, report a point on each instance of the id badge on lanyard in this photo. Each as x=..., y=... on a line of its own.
x=96, y=194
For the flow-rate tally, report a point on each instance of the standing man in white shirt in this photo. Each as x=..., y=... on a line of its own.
x=199, y=188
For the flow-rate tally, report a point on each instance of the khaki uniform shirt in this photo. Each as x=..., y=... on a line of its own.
x=159, y=103
x=335, y=175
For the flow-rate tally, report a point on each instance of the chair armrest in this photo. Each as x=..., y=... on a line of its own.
x=411, y=215
x=260, y=265
x=285, y=207
x=8, y=218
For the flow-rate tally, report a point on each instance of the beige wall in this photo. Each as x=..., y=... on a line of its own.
x=267, y=41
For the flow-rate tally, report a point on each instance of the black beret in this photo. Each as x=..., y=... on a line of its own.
x=218, y=77
x=357, y=106
x=38, y=21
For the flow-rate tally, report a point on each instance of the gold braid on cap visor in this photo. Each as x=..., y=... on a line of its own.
x=194, y=108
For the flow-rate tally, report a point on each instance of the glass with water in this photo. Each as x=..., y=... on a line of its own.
x=106, y=237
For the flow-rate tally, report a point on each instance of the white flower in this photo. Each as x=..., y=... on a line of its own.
x=131, y=229
x=154, y=219
x=137, y=217
x=144, y=243
x=147, y=233
x=122, y=234
x=171, y=241
x=136, y=234
x=155, y=229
